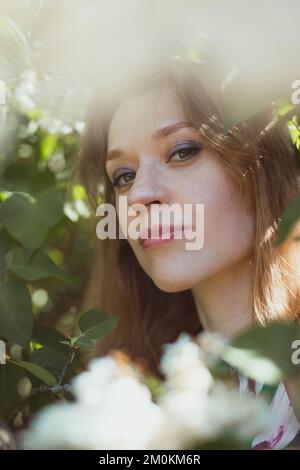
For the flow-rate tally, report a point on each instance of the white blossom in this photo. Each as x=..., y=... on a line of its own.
x=114, y=409
x=212, y=345
x=188, y=419
x=244, y=415
x=25, y=91
x=182, y=363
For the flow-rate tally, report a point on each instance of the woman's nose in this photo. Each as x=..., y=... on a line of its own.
x=149, y=187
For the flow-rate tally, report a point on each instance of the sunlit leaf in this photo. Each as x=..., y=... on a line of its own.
x=48, y=145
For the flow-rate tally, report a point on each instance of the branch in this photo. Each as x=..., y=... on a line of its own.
x=56, y=390
x=68, y=364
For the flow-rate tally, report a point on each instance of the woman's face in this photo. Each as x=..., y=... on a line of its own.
x=174, y=167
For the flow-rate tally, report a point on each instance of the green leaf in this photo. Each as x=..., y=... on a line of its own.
x=35, y=267
x=67, y=342
x=2, y=263
x=5, y=244
x=264, y=353
x=16, y=320
x=38, y=371
x=29, y=221
x=9, y=377
x=49, y=337
x=50, y=359
x=84, y=342
x=95, y=324
x=48, y=145
x=289, y=218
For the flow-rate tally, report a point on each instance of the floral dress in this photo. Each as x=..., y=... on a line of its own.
x=282, y=424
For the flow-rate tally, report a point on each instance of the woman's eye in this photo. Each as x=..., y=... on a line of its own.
x=184, y=154
x=123, y=179
x=179, y=155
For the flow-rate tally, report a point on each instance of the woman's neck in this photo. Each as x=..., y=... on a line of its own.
x=224, y=302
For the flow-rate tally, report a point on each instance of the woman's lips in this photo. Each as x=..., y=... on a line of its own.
x=160, y=236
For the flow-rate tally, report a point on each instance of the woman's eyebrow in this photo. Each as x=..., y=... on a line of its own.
x=158, y=134
x=165, y=131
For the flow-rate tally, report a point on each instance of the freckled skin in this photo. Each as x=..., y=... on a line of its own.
x=228, y=225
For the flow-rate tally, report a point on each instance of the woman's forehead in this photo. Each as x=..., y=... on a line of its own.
x=141, y=115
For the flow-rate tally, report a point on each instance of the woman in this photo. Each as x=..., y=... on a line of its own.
x=161, y=142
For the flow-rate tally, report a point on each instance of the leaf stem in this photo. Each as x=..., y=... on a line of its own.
x=68, y=364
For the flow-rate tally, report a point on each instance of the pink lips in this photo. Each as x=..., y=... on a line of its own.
x=158, y=235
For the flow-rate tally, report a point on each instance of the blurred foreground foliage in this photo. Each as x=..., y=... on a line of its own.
x=46, y=252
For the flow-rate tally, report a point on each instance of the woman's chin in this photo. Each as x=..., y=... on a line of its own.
x=171, y=285
x=170, y=276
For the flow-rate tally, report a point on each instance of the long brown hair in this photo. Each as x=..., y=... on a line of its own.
x=263, y=163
